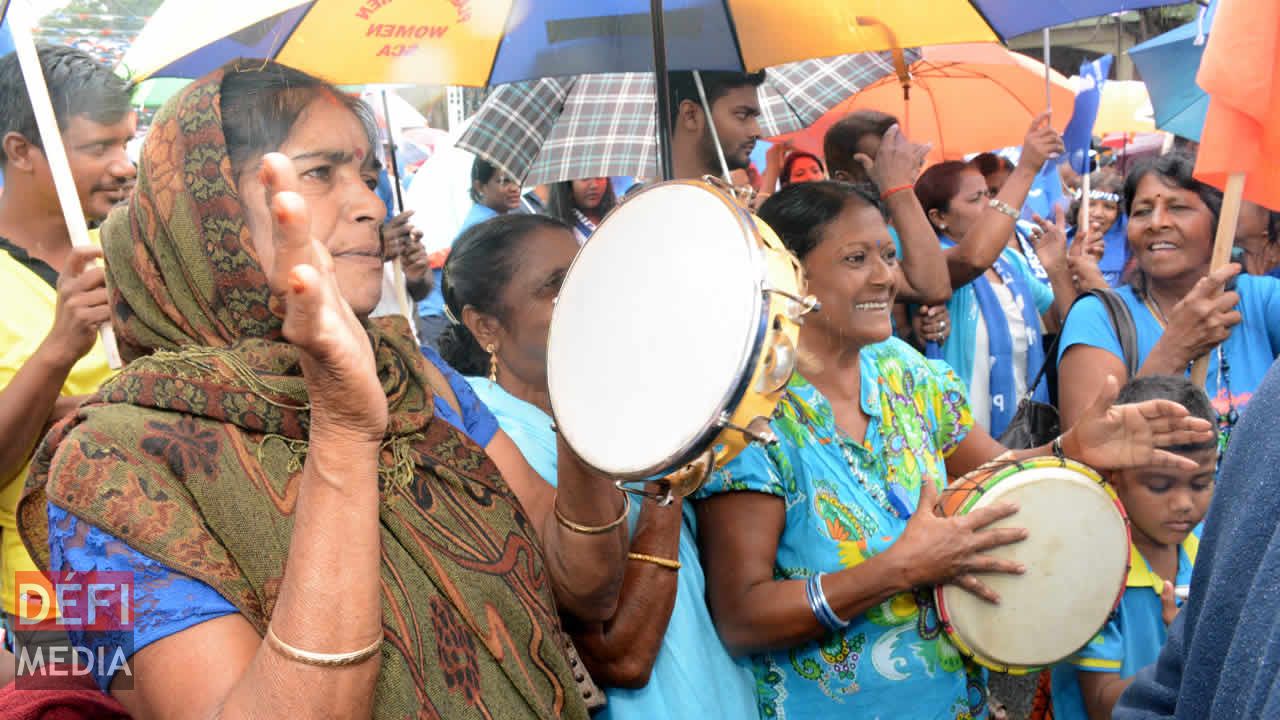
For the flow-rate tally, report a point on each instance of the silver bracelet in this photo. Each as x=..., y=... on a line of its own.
x=819, y=606
x=1004, y=207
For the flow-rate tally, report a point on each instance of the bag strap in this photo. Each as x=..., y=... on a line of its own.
x=1050, y=354
x=1122, y=321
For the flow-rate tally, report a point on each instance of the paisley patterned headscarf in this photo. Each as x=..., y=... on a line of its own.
x=192, y=454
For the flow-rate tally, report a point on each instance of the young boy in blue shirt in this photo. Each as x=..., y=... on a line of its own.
x=1165, y=508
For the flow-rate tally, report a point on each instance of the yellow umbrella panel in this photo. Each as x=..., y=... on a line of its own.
x=1125, y=108
x=488, y=42
x=771, y=32
x=347, y=42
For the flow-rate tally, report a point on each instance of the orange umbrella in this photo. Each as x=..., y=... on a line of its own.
x=1241, y=73
x=962, y=98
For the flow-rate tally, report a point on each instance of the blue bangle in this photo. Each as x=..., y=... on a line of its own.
x=820, y=607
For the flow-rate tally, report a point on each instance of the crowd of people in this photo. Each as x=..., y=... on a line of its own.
x=330, y=511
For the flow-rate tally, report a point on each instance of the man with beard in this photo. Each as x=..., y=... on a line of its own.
x=54, y=296
x=735, y=109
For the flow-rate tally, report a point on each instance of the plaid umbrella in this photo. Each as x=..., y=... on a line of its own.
x=556, y=129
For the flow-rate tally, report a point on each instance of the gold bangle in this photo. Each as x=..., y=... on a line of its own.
x=660, y=562
x=593, y=529
x=317, y=659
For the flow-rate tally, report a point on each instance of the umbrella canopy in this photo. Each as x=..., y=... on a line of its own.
x=1125, y=108
x=489, y=42
x=964, y=99
x=1168, y=64
x=558, y=129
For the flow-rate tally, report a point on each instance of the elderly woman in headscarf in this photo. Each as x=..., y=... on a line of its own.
x=321, y=521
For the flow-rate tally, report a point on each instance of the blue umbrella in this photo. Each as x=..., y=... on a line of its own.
x=1168, y=64
x=1010, y=18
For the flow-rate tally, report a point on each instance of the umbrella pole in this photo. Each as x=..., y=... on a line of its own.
x=711, y=124
x=661, y=86
x=1048, y=80
x=47, y=123
x=1222, y=244
x=397, y=267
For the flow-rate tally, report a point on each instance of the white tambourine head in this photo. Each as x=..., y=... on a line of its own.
x=653, y=329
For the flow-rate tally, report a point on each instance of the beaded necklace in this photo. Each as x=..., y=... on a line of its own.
x=1227, y=420
x=891, y=496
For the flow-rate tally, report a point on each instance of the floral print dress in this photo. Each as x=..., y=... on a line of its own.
x=846, y=502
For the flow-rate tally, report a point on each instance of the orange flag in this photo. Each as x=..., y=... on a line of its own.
x=1241, y=73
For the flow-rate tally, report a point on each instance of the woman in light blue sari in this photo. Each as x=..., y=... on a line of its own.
x=659, y=656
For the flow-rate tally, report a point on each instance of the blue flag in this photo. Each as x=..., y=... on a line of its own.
x=1046, y=195
x=1079, y=133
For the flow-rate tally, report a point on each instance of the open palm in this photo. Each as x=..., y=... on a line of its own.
x=1113, y=437
x=337, y=357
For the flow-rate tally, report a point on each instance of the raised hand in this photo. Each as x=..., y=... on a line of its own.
x=898, y=161
x=1203, y=318
x=936, y=549
x=1051, y=246
x=1042, y=143
x=81, y=307
x=776, y=155
x=1085, y=273
x=346, y=396
x=931, y=323
x=401, y=239
x=1114, y=437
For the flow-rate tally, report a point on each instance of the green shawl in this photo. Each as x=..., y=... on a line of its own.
x=192, y=454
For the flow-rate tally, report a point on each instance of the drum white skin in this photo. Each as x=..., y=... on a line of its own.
x=1076, y=555
x=677, y=319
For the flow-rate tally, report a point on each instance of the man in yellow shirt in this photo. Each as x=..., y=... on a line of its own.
x=53, y=297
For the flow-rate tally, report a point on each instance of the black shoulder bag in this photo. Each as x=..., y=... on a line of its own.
x=1036, y=423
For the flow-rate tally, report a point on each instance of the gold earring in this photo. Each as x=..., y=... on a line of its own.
x=493, y=362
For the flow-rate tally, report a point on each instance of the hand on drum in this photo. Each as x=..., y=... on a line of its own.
x=1115, y=437
x=337, y=358
x=936, y=549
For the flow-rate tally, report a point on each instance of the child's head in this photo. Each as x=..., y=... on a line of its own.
x=1164, y=504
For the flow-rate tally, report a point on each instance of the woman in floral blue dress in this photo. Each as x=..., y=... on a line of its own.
x=827, y=587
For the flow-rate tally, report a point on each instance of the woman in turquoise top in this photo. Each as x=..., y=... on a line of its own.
x=997, y=302
x=658, y=657
x=1180, y=310
x=822, y=526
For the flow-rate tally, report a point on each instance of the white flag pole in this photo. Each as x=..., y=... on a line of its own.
x=51, y=138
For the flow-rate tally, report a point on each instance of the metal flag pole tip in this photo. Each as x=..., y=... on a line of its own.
x=51, y=137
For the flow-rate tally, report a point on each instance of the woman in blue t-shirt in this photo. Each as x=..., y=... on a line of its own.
x=1180, y=310
x=996, y=303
